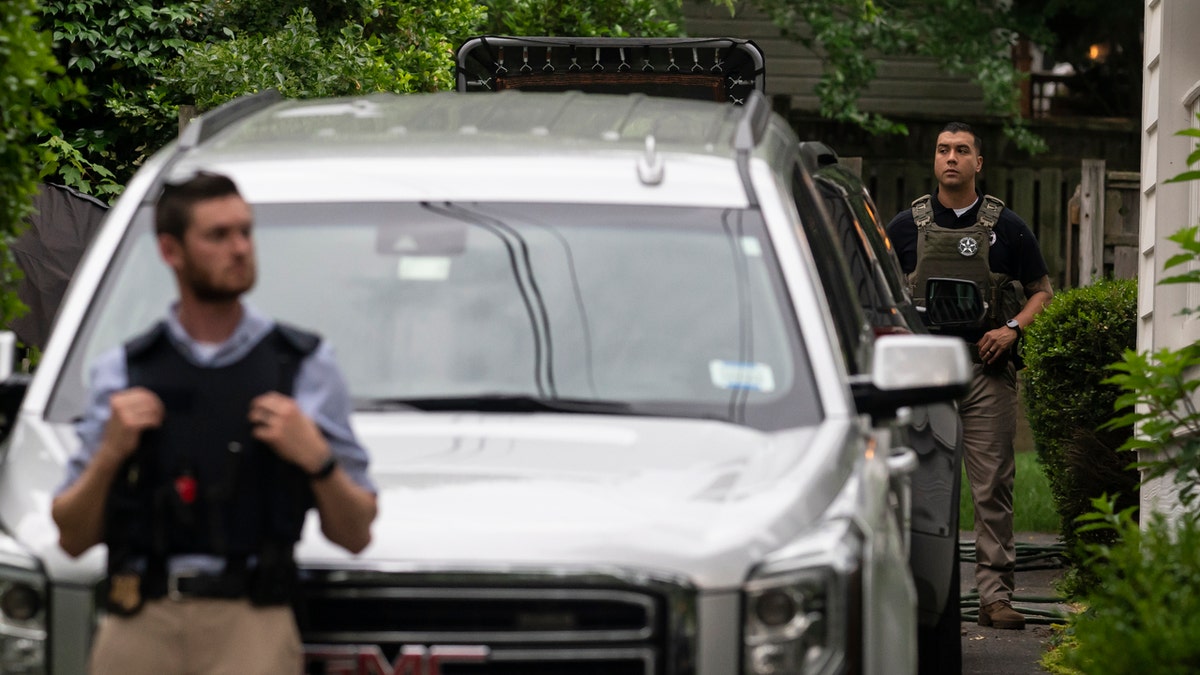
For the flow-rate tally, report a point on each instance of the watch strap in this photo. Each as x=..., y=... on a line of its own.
x=326, y=468
x=1012, y=323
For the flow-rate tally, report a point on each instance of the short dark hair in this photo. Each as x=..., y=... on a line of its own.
x=955, y=127
x=173, y=213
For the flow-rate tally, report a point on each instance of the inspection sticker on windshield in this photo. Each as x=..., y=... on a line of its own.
x=740, y=375
x=423, y=268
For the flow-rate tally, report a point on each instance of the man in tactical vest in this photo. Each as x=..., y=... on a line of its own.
x=205, y=442
x=960, y=233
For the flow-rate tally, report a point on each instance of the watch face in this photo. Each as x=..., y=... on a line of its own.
x=1012, y=323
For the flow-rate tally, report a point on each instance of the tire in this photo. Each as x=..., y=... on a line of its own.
x=939, y=647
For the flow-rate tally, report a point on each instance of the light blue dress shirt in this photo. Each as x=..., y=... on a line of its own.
x=319, y=391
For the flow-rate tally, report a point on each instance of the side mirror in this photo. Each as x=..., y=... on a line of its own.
x=953, y=303
x=910, y=370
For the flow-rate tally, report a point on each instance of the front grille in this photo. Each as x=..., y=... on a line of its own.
x=368, y=623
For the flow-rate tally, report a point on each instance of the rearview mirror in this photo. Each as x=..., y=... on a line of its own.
x=953, y=303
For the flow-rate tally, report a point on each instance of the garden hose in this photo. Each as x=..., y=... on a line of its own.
x=1029, y=557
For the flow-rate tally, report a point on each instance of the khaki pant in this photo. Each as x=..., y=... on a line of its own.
x=989, y=417
x=199, y=637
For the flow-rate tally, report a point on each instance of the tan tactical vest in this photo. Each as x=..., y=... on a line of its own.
x=963, y=254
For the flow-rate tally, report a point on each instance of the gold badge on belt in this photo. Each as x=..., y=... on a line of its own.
x=124, y=592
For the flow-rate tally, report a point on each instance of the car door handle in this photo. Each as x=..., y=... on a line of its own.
x=902, y=462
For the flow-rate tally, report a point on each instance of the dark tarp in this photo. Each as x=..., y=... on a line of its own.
x=48, y=251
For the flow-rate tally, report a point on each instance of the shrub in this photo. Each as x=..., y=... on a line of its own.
x=1067, y=353
x=1144, y=616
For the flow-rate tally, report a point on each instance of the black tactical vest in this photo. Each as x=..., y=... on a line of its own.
x=201, y=483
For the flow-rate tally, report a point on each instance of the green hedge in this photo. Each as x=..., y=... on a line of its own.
x=1067, y=354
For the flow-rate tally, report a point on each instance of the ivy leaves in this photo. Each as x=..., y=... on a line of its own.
x=31, y=81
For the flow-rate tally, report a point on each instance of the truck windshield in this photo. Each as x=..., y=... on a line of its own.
x=528, y=307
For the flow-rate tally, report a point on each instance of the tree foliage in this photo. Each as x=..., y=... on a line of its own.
x=116, y=48
x=142, y=60
x=607, y=18
x=974, y=38
x=395, y=46
x=31, y=82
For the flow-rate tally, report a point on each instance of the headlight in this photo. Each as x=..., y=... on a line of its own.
x=22, y=622
x=803, y=608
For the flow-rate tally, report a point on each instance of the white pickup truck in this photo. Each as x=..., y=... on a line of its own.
x=611, y=404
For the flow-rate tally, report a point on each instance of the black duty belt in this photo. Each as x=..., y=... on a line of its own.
x=268, y=580
x=181, y=585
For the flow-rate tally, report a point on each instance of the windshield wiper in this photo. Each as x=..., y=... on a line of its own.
x=527, y=286
x=500, y=403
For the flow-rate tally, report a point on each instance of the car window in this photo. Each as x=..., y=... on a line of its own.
x=852, y=329
x=873, y=228
x=672, y=311
x=868, y=283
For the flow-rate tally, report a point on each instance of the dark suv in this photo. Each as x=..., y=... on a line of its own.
x=934, y=431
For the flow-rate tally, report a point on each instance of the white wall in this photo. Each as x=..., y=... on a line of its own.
x=1170, y=101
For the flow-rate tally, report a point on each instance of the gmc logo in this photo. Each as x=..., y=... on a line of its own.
x=369, y=659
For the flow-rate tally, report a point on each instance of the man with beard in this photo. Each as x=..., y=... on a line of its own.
x=205, y=442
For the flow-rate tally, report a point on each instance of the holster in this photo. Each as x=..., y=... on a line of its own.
x=273, y=579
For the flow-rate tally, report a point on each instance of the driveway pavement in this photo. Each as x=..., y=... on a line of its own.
x=991, y=651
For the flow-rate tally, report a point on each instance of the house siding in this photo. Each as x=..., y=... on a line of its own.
x=1170, y=102
x=905, y=85
x=897, y=168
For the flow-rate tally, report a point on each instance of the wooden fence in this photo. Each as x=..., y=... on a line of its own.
x=1106, y=210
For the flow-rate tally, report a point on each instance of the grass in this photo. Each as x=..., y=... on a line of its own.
x=1033, y=506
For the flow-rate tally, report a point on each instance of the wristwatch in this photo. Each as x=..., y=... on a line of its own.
x=1012, y=323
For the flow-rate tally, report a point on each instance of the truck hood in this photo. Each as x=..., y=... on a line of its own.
x=702, y=500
